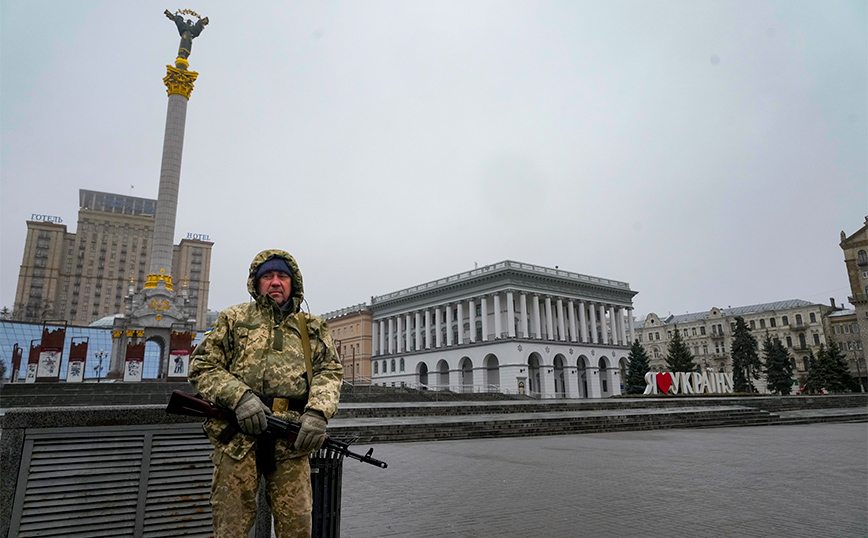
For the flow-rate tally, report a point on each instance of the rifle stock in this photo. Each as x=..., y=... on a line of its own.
x=181, y=403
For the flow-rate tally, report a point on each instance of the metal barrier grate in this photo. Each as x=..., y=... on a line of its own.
x=148, y=481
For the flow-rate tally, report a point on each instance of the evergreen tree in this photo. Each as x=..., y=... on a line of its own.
x=840, y=379
x=637, y=367
x=814, y=381
x=778, y=367
x=678, y=357
x=829, y=371
x=746, y=363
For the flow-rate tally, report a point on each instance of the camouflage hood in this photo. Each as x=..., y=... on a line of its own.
x=296, y=294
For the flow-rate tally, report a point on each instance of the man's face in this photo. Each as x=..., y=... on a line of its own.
x=275, y=284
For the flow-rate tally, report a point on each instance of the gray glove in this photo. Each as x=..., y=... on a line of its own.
x=250, y=414
x=311, y=435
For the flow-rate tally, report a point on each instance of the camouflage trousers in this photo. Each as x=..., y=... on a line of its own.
x=233, y=496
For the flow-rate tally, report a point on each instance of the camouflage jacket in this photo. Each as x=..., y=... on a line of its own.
x=257, y=346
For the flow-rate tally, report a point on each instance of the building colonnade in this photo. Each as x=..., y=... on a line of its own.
x=502, y=315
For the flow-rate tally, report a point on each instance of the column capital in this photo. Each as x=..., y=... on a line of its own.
x=179, y=81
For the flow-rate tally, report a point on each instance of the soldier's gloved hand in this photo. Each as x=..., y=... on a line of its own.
x=311, y=435
x=250, y=414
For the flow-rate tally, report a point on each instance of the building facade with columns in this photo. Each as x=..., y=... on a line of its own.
x=508, y=327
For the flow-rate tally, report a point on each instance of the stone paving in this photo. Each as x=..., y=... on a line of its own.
x=795, y=480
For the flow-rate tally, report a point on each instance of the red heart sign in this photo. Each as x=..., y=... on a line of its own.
x=664, y=381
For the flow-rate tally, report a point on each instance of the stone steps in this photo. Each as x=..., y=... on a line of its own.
x=531, y=424
x=402, y=421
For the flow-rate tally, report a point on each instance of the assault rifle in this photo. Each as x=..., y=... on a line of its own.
x=181, y=403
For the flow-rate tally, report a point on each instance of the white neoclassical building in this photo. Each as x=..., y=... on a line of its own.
x=509, y=327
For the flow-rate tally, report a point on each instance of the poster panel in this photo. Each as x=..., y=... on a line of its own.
x=51, y=353
x=133, y=370
x=32, y=362
x=48, y=368
x=134, y=362
x=17, y=352
x=77, y=360
x=180, y=346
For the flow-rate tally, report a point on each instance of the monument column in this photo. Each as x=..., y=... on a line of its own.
x=156, y=312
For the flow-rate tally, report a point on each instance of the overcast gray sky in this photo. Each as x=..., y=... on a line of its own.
x=708, y=153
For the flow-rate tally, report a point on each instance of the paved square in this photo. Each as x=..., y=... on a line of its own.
x=800, y=480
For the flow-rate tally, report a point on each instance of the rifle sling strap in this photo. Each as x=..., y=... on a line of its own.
x=305, y=342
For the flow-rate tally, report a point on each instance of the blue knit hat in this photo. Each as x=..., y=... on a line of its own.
x=273, y=264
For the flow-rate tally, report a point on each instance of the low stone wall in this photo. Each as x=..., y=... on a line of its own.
x=21, y=426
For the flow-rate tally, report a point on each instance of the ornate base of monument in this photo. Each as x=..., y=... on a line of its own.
x=152, y=315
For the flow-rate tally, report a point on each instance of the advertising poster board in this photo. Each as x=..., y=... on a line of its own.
x=77, y=359
x=17, y=352
x=134, y=362
x=50, y=354
x=32, y=362
x=180, y=346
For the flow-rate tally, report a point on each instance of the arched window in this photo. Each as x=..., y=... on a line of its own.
x=863, y=257
x=401, y=365
x=813, y=317
x=785, y=320
x=376, y=368
x=393, y=365
x=798, y=319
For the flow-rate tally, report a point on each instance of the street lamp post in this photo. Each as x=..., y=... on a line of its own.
x=101, y=354
x=340, y=355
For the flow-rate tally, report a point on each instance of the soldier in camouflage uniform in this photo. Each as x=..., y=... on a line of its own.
x=252, y=361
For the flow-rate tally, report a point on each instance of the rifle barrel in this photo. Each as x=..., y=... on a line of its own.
x=181, y=403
